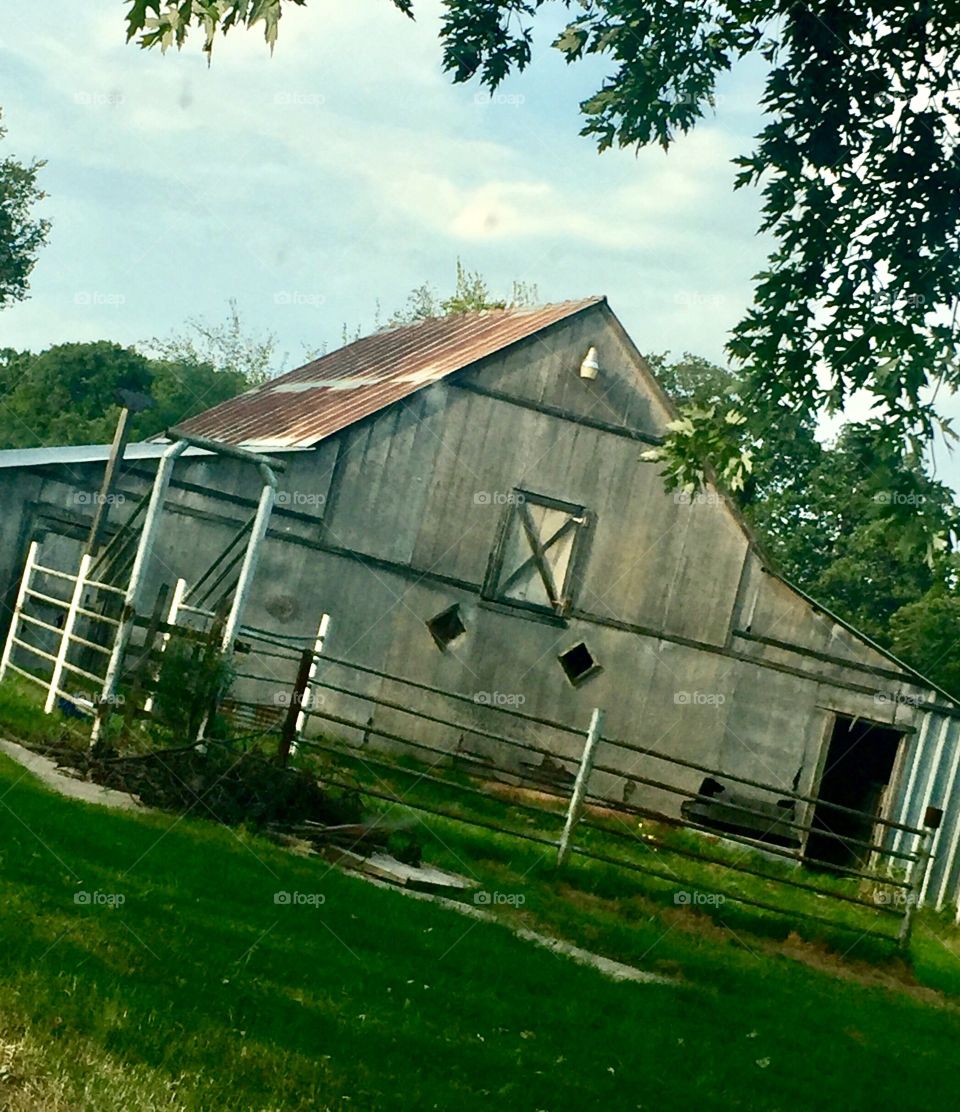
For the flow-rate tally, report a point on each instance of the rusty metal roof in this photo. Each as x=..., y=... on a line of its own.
x=302, y=407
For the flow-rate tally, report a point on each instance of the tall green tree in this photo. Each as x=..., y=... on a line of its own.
x=67, y=394
x=926, y=634
x=849, y=521
x=21, y=233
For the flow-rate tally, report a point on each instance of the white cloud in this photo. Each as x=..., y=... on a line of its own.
x=346, y=165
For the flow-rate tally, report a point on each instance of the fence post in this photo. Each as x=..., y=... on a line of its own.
x=580, y=784
x=291, y=723
x=18, y=606
x=918, y=873
x=317, y=651
x=144, y=663
x=172, y=614
x=68, y=623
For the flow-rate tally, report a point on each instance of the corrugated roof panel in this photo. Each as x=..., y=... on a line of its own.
x=302, y=407
x=82, y=453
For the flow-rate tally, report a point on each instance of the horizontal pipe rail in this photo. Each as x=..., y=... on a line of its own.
x=751, y=843
x=95, y=617
x=273, y=637
x=106, y=587
x=684, y=824
x=33, y=649
x=433, y=718
x=762, y=905
x=82, y=672
x=532, y=718
x=644, y=843
x=90, y=644
x=667, y=847
x=293, y=655
x=468, y=789
x=64, y=603
x=43, y=625
x=627, y=835
x=784, y=793
x=604, y=859
x=697, y=797
x=694, y=797
x=376, y=732
x=599, y=801
x=551, y=842
x=525, y=779
x=79, y=704
x=55, y=573
x=27, y=675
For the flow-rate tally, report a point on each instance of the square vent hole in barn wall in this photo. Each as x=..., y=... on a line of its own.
x=578, y=663
x=446, y=626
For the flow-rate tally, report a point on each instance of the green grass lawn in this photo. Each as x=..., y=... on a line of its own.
x=200, y=991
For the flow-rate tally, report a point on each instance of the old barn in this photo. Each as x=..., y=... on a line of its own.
x=467, y=500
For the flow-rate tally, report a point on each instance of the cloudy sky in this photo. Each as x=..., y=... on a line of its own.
x=345, y=169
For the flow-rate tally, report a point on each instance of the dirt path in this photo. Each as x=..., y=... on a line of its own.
x=615, y=970
x=47, y=771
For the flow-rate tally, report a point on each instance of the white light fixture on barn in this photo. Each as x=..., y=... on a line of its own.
x=590, y=368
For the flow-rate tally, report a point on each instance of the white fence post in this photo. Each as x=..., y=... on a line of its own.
x=580, y=784
x=305, y=702
x=18, y=606
x=69, y=622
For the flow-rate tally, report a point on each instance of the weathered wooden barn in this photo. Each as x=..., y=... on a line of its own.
x=466, y=497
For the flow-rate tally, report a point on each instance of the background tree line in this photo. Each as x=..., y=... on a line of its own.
x=849, y=520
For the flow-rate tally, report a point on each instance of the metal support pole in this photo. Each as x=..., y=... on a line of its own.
x=251, y=558
x=18, y=606
x=69, y=622
x=918, y=873
x=137, y=574
x=580, y=784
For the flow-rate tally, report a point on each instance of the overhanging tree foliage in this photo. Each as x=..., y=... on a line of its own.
x=857, y=162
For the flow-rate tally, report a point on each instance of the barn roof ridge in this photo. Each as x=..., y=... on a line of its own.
x=306, y=405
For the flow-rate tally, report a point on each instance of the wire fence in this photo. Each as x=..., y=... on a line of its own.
x=369, y=725
x=485, y=766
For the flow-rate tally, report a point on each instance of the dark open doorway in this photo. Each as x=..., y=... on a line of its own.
x=859, y=765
